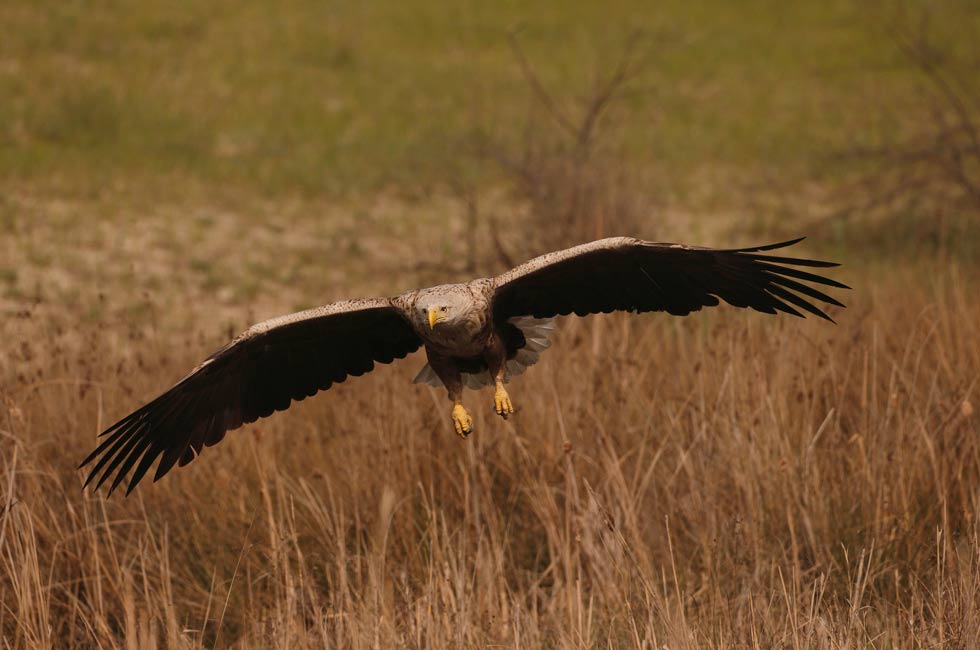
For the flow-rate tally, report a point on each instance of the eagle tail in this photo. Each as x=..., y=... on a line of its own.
x=536, y=332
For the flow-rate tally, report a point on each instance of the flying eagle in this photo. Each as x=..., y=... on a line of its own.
x=476, y=333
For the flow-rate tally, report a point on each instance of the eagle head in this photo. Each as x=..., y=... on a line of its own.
x=437, y=314
x=440, y=308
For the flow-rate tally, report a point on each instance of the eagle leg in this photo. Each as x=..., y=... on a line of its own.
x=448, y=372
x=501, y=401
x=496, y=358
x=462, y=420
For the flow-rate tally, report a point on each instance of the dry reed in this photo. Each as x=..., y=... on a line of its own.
x=725, y=480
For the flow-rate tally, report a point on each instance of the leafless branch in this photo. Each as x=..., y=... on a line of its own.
x=625, y=71
x=539, y=90
x=939, y=164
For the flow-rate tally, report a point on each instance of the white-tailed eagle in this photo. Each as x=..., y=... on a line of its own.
x=476, y=333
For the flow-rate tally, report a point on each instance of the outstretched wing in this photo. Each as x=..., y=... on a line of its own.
x=261, y=371
x=629, y=274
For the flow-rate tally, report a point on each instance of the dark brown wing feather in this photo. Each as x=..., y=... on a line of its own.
x=633, y=275
x=262, y=371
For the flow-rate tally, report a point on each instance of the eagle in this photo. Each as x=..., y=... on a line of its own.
x=477, y=333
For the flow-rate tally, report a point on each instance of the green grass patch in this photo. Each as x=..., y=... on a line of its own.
x=326, y=99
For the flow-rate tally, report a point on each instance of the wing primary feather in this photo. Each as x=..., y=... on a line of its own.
x=796, y=300
x=137, y=429
x=767, y=247
x=174, y=451
x=154, y=433
x=167, y=405
x=117, y=429
x=109, y=453
x=135, y=414
x=762, y=282
x=795, y=261
x=783, y=307
x=119, y=455
x=151, y=455
x=131, y=458
x=801, y=275
x=187, y=456
x=156, y=448
x=804, y=289
x=104, y=444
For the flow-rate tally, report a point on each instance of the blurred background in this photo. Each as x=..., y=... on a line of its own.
x=173, y=172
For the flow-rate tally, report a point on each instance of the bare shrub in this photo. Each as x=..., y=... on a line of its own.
x=565, y=173
x=933, y=167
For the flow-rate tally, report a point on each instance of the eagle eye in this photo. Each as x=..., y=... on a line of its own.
x=444, y=308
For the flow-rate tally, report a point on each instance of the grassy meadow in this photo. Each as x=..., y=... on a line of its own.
x=173, y=172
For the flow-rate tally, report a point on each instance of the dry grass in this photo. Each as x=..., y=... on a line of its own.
x=725, y=480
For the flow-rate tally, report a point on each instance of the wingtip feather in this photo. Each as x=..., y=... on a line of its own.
x=768, y=247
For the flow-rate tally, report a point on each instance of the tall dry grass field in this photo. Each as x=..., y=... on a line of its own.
x=729, y=479
x=172, y=172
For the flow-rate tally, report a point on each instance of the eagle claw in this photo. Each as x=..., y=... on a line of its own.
x=462, y=421
x=501, y=403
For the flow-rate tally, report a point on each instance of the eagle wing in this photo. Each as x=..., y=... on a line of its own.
x=262, y=371
x=623, y=273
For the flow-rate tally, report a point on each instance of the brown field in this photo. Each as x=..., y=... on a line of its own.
x=171, y=173
x=729, y=479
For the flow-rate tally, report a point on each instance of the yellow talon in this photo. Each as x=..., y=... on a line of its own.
x=462, y=421
x=501, y=402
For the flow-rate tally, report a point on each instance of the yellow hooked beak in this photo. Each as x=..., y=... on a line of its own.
x=434, y=317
